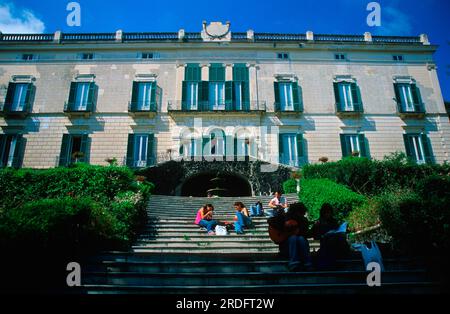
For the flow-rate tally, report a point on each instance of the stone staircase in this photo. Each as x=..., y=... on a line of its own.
x=175, y=256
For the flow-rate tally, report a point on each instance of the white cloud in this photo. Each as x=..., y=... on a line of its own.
x=394, y=22
x=15, y=21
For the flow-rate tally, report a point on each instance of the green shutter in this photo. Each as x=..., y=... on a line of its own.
x=192, y=72
x=72, y=95
x=184, y=95
x=344, y=145
x=240, y=72
x=362, y=146
x=408, y=147
x=397, y=92
x=130, y=150
x=153, y=99
x=235, y=144
x=246, y=94
x=18, y=152
x=417, y=98
x=280, y=148
x=91, y=97
x=9, y=96
x=300, y=151
x=337, y=97
x=135, y=96
x=204, y=95
x=229, y=88
x=2, y=148
x=356, y=97
x=181, y=150
x=151, y=150
x=64, y=157
x=276, y=89
x=84, y=147
x=216, y=72
x=29, y=97
x=297, y=97
x=427, y=149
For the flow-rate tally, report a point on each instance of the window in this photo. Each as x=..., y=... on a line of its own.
x=150, y=55
x=408, y=97
x=418, y=148
x=18, y=97
x=27, y=57
x=283, y=56
x=243, y=147
x=192, y=87
x=144, y=96
x=217, y=95
x=217, y=143
x=192, y=95
x=290, y=149
x=81, y=96
x=339, y=56
x=189, y=149
x=353, y=145
x=87, y=56
x=73, y=149
x=397, y=58
x=347, y=97
x=11, y=150
x=287, y=96
x=240, y=88
x=140, y=150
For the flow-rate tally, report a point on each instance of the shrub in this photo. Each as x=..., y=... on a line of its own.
x=290, y=186
x=365, y=216
x=314, y=193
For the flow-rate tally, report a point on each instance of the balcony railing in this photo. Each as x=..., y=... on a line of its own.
x=339, y=38
x=282, y=109
x=72, y=109
x=279, y=37
x=89, y=37
x=5, y=110
x=356, y=110
x=206, y=106
x=419, y=110
x=150, y=36
x=26, y=37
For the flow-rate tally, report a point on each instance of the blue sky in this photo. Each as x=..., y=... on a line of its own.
x=398, y=17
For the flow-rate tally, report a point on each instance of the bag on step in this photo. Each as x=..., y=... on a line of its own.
x=221, y=230
x=370, y=254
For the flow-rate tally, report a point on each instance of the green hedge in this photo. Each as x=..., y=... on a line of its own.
x=372, y=177
x=290, y=186
x=314, y=193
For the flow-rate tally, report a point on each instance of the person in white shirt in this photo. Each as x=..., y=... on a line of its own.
x=279, y=202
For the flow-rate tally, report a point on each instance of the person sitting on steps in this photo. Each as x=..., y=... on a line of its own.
x=257, y=209
x=205, y=218
x=242, y=219
x=278, y=204
x=290, y=231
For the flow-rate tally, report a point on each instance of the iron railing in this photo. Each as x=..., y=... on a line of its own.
x=206, y=106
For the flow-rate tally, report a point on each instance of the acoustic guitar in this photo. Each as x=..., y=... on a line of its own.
x=278, y=236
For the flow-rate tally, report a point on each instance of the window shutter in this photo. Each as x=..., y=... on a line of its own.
x=192, y=72
x=2, y=148
x=297, y=97
x=84, y=147
x=397, y=93
x=9, y=96
x=356, y=97
x=300, y=151
x=235, y=143
x=153, y=100
x=427, y=149
x=181, y=150
x=216, y=72
x=253, y=149
x=65, y=147
x=337, y=97
x=135, y=96
x=344, y=147
x=408, y=147
x=229, y=95
x=204, y=94
x=18, y=152
x=276, y=88
x=245, y=95
x=130, y=150
x=184, y=95
x=205, y=144
x=150, y=150
x=417, y=99
x=72, y=95
x=280, y=148
x=28, y=97
x=91, y=97
x=362, y=146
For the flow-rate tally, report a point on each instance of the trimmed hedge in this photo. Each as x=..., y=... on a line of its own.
x=314, y=193
x=290, y=186
x=372, y=177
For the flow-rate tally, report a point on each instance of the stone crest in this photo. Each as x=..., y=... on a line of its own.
x=216, y=31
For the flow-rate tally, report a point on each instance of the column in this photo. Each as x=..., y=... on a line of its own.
x=176, y=102
x=254, y=97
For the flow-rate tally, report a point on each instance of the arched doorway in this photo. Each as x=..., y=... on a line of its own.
x=197, y=185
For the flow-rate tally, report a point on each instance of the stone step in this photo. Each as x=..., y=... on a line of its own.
x=163, y=226
x=257, y=278
x=180, y=230
x=206, y=249
x=203, y=237
x=212, y=243
x=157, y=219
x=412, y=287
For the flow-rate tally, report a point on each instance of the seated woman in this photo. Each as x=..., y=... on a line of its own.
x=333, y=245
x=205, y=218
x=257, y=209
x=242, y=218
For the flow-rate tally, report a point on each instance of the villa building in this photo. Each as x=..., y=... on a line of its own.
x=146, y=98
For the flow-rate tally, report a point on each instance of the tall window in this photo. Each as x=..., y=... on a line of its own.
x=192, y=95
x=144, y=96
x=81, y=99
x=290, y=149
x=217, y=143
x=18, y=97
x=11, y=149
x=74, y=148
x=353, y=145
x=418, y=148
x=408, y=97
x=192, y=87
x=347, y=97
x=345, y=93
x=81, y=96
x=286, y=97
x=140, y=150
x=240, y=97
x=217, y=95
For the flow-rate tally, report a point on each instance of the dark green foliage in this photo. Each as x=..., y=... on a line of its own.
x=314, y=193
x=290, y=186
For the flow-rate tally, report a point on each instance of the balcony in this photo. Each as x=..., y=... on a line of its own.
x=417, y=113
x=246, y=108
x=73, y=112
x=136, y=109
x=349, y=112
x=7, y=112
x=296, y=110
